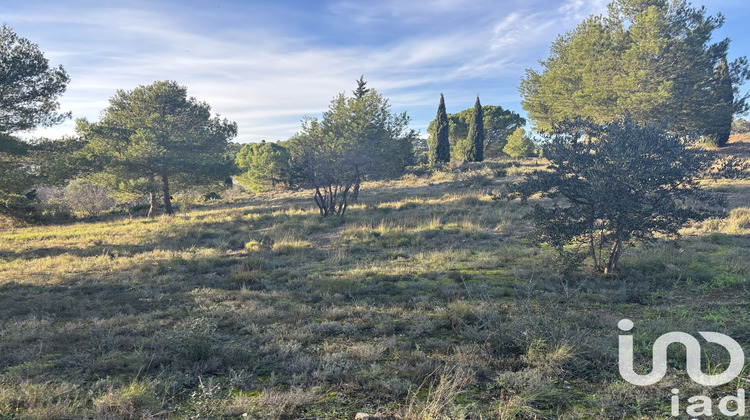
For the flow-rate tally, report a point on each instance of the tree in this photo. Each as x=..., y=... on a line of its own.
x=438, y=143
x=156, y=137
x=625, y=183
x=29, y=88
x=471, y=149
x=357, y=138
x=29, y=92
x=498, y=124
x=649, y=59
x=740, y=126
x=519, y=144
x=361, y=90
x=264, y=166
x=723, y=97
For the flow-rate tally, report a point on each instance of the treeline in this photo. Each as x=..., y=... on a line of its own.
x=618, y=104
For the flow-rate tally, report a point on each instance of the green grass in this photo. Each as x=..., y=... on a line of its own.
x=426, y=301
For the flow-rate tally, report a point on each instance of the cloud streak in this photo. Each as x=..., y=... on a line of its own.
x=267, y=66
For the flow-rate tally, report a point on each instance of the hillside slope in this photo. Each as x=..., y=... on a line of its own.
x=426, y=300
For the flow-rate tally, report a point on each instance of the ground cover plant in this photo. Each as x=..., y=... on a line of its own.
x=426, y=301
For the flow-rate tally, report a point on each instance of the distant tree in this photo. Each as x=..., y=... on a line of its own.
x=472, y=148
x=498, y=124
x=357, y=138
x=439, y=147
x=720, y=126
x=263, y=166
x=740, y=126
x=519, y=144
x=652, y=60
x=29, y=92
x=361, y=90
x=87, y=198
x=627, y=184
x=156, y=137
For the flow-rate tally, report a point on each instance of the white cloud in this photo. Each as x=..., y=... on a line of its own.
x=267, y=80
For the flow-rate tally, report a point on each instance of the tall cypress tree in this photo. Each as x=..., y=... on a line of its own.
x=475, y=139
x=722, y=103
x=438, y=144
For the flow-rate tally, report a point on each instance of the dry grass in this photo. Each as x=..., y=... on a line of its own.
x=426, y=301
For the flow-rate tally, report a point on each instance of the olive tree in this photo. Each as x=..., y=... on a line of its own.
x=619, y=183
x=357, y=138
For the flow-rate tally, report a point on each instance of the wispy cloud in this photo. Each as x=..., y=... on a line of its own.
x=268, y=65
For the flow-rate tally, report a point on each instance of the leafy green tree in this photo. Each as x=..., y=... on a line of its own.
x=519, y=144
x=264, y=165
x=439, y=148
x=29, y=92
x=740, y=126
x=29, y=87
x=625, y=183
x=723, y=97
x=156, y=137
x=650, y=59
x=471, y=149
x=357, y=138
x=498, y=124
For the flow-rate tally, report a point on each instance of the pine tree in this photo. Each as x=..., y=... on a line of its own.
x=475, y=140
x=361, y=90
x=438, y=144
x=519, y=144
x=720, y=125
x=653, y=60
x=155, y=138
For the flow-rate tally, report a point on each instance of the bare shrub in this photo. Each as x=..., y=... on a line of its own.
x=83, y=197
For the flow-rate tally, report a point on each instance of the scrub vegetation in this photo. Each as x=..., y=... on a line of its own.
x=426, y=301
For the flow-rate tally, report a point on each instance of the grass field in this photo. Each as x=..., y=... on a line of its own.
x=424, y=302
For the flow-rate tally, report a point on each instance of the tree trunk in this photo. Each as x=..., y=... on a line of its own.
x=320, y=201
x=152, y=209
x=592, y=251
x=355, y=192
x=614, y=257
x=167, y=198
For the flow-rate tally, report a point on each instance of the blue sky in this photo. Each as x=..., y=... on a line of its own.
x=266, y=64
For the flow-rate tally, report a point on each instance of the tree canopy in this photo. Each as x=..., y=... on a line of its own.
x=628, y=184
x=652, y=60
x=155, y=137
x=356, y=138
x=519, y=144
x=29, y=87
x=263, y=166
x=475, y=137
x=439, y=148
x=720, y=123
x=29, y=93
x=498, y=124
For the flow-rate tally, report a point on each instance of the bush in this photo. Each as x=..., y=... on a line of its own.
x=265, y=165
x=740, y=126
x=83, y=197
x=519, y=144
x=629, y=183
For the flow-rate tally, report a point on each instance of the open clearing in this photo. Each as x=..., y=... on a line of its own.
x=425, y=300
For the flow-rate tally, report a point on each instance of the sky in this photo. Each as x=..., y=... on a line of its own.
x=267, y=64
